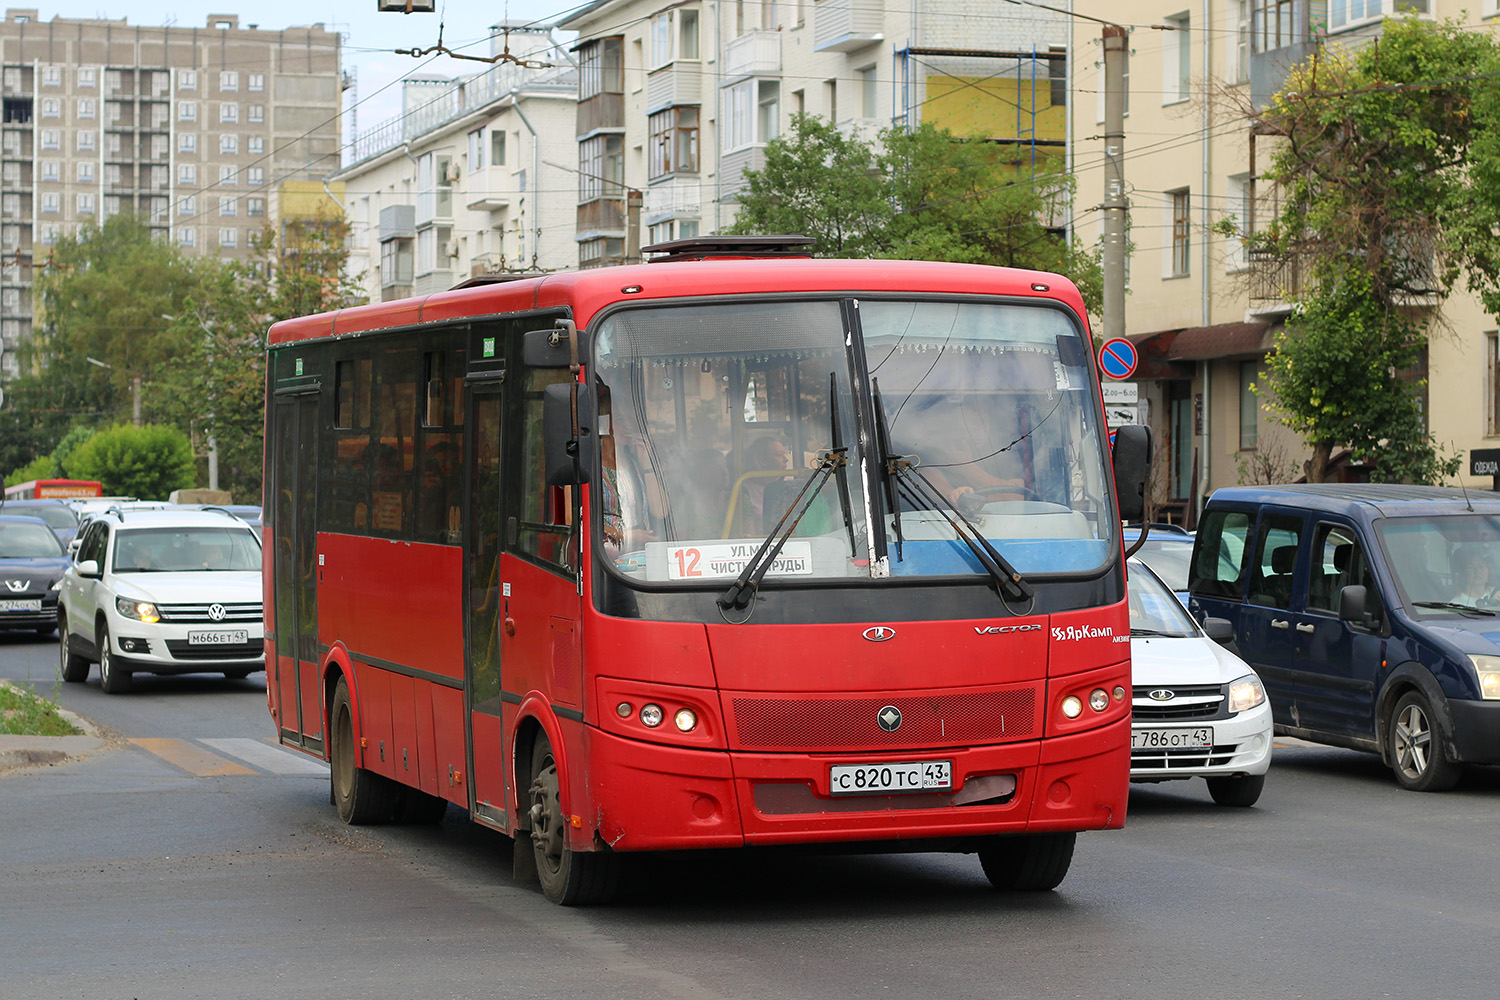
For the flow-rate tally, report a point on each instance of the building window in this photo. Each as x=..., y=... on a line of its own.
x=187, y=79
x=1492, y=383
x=1274, y=22
x=88, y=77
x=51, y=170
x=85, y=203
x=256, y=145
x=228, y=176
x=768, y=115
x=601, y=167
x=687, y=33
x=1238, y=195
x=86, y=107
x=1342, y=13
x=1176, y=59
x=51, y=107
x=229, y=80
x=1249, y=404
x=229, y=112
x=228, y=207
x=51, y=138
x=256, y=176
x=255, y=206
x=229, y=237
x=601, y=68
x=86, y=172
x=257, y=113
x=1178, y=205
x=256, y=81
x=739, y=123
x=662, y=47
x=1240, y=42
x=674, y=141
x=476, y=150
x=51, y=76
x=51, y=202
x=867, y=92
x=497, y=147
x=187, y=111
x=86, y=139
x=187, y=173
x=229, y=144
x=188, y=206
x=187, y=142
x=187, y=236
x=599, y=252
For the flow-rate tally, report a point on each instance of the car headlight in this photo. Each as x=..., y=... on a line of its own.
x=141, y=611
x=1245, y=693
x=57, y=584
x=1488, y=668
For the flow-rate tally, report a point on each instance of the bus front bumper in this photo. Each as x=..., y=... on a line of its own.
x=649, y=797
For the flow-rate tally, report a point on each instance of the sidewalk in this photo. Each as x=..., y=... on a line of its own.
x=38, y=751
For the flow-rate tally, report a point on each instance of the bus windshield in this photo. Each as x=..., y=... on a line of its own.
x=712, y=419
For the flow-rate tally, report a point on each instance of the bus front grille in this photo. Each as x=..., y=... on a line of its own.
x=818, y=724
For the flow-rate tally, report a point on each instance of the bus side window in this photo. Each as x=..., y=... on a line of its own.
x=543, y=530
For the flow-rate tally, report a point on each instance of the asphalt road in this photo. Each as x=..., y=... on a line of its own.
x=138, y=871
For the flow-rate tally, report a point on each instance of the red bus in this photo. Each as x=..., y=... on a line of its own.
x=40, y=489
x=715, y=551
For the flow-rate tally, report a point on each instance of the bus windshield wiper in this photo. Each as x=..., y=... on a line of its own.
x=900, y=472
x=1450, y=605
x=738, y=594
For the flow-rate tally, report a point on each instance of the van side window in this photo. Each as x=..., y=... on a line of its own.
x=1271, y=573
x=1338, y=562
x=1219, y=559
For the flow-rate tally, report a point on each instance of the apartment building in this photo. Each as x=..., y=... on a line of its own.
x=191, y=128
x=1202, y=311
x=676, y=101
x=474, y=177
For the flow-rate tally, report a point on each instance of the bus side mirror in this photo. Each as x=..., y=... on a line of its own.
x=1132, y=462
x=550, y=348
x=558, y=444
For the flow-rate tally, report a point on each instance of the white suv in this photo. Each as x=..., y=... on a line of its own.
x=162, y=592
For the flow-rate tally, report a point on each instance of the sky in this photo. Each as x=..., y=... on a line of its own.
x=370, y=36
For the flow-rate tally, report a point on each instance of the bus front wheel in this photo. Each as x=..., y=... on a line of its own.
x=1033, y=862
x=568, y=877
x=361, y=796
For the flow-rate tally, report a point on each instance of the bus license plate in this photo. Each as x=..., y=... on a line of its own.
x=35, y=605
x=238, y=636
x=882, y=779
x=1201, y=738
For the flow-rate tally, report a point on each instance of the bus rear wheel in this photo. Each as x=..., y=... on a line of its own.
x=568, y=877
x=361, y=796
x=1034, y=862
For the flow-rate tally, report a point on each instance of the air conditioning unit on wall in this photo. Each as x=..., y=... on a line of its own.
x=450, y=248
x=452, y=173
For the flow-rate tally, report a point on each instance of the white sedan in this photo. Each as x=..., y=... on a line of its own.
x=1198, y=711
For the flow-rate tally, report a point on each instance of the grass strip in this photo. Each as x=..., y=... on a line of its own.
x=23, y=712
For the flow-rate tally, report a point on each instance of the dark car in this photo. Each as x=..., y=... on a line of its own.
x=57, y=513
x=1369, y=611
x=32, y=562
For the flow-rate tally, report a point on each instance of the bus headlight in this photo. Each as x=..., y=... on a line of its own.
x=1072, y=707
x=1098, y=699
x=1488, y=668
x=686, y=720
x=1245, y=693
x=141, y=611
x=651, y=715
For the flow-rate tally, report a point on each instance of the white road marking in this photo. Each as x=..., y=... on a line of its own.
x=268, y=758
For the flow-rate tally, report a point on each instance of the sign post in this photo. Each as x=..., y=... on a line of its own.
x=1118, y=358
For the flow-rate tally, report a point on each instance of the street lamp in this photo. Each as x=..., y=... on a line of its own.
x=135, y=389
x=213, y=443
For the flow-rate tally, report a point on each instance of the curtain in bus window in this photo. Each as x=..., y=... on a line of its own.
x=388, y=459
x=994, y=405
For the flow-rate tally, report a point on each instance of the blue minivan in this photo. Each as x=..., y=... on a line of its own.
x=1371, y=613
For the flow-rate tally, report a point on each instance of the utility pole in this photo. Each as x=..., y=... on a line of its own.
x=1116, y=52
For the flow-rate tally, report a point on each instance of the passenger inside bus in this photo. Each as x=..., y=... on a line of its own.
x=766, y=460
x=633, y=504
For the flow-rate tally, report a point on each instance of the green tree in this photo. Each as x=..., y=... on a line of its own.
x=147, y=462
x=40, y=468
x=1387, y=161
x=920, y=194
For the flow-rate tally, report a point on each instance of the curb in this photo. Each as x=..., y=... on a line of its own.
x=49, y=751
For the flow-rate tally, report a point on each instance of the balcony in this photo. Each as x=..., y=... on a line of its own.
x=602, y=216
x=1274, y=282
x=680, y=196
x=603, y=111
x=679, y=82
x=846, y=25
x=755, y=53
x=733, y=166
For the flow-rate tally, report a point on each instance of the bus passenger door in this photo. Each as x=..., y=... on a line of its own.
x=487, y=762
x=294, y=460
